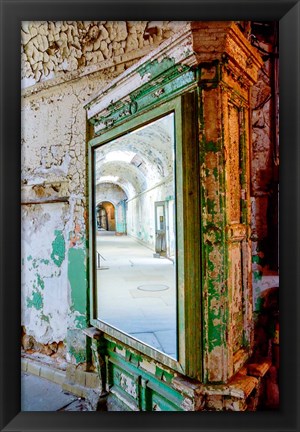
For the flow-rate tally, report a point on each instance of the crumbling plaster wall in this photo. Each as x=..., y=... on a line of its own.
x=63, y=64
x=49, y=48
x=54, y=212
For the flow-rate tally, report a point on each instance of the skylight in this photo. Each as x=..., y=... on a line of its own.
x=119, y=155
x=109, y=179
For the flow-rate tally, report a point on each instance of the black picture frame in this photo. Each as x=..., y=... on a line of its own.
x=14, y=11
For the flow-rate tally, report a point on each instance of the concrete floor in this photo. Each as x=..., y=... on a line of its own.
x=137, y=292
x=39, y=394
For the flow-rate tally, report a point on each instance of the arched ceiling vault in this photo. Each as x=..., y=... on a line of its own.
x=125, y=175
x=111, y=192
x=138, y=160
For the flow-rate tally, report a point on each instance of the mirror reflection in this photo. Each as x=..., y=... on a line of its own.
x=136, y=236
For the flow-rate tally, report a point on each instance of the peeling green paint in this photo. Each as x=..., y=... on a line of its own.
x=45, y=318
x=163, y=374
x=36, y=301
x=80, y=355
x=40, y=281
x=210, y=264
x=58, y=248
x=76, y=344
x=167, y=79
x=211, y=207
x=35, y=264
x=215, y=264
x=256, y=259
x=215, y=336
x=257, y=275
x=215, y=173
x=81, y=321
x=259, y=304
x=212, y=146
x=155, y=67
x=77, y=278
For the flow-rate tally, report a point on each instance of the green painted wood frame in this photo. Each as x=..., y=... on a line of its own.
x=188, y=225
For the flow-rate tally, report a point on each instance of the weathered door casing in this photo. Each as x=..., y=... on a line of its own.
x=209, y=67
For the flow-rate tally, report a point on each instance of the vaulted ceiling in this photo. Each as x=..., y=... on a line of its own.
x=138, y=160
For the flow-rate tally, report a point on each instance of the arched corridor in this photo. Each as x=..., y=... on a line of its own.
x=136, y=276
x=136, y=174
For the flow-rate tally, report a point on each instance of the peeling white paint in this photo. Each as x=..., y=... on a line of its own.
x=53, y=152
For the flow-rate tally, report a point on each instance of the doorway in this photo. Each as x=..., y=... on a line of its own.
x=106, y=216
x=160, y=229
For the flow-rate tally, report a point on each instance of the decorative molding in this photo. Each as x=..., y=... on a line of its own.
x=199, y=43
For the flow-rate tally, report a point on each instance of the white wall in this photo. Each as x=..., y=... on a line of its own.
x=141, y=213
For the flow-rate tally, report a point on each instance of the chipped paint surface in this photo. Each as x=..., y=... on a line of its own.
x=225, y=186
x=145, y=389
x=77, y=278
x=53, y=152
x=53, y=210
x=54, y=218
x=44, y=299
x=50, y=48
x=76, y=346
x=224, y=86
x=58, y=249
x=155, y=67
x=54, y=254
x=36, y=301
x=126, y=384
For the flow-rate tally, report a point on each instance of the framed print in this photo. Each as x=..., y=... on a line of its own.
x=149, y=235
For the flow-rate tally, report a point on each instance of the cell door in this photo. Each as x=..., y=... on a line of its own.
x=160, y=228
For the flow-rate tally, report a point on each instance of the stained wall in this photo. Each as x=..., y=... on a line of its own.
x=63, y=65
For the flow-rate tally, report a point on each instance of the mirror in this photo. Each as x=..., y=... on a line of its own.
x=135, y=230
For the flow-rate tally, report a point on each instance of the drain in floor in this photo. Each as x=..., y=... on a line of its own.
x=152, y=287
